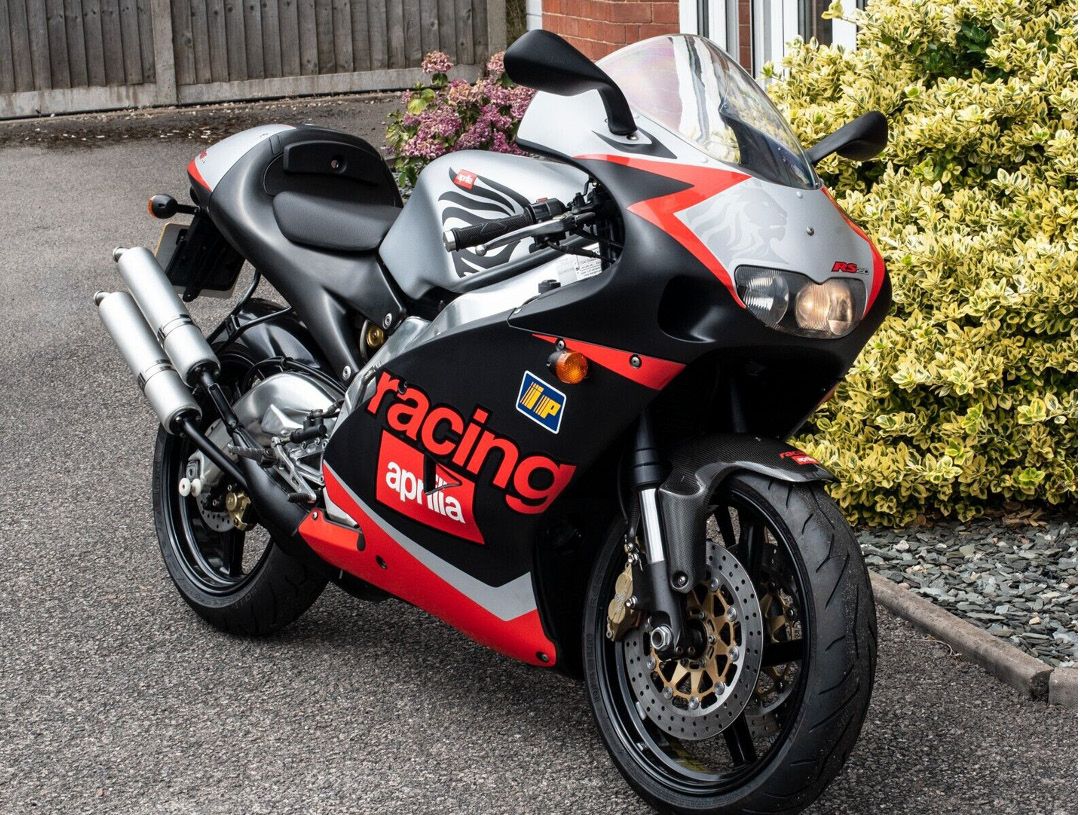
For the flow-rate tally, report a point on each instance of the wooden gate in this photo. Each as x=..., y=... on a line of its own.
x=62, y=56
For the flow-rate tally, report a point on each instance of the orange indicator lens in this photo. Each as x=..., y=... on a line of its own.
x=571, y=367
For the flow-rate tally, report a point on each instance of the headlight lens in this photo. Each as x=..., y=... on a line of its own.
x=795, y=304
x=767, y=296
x=828, y=308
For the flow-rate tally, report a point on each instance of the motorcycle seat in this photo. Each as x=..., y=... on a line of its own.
x=322, y=222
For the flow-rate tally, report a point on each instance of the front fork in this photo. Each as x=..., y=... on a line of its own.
x=668, y=635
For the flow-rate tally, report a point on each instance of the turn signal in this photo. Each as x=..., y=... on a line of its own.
x=162, y=206
x=570, y=367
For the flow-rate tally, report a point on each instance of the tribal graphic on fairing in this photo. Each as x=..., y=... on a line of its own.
x=473, y=200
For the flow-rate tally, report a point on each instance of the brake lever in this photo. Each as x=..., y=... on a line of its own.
x=540, y=230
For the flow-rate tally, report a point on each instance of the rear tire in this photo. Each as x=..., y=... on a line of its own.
x=825, y=709
x=252, y=596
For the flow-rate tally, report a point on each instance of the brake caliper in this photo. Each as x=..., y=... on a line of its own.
x=622, y=615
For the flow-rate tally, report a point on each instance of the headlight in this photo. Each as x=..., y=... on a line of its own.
x=766, y=295
x=795, y=304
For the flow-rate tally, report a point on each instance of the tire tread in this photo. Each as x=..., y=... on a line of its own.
x=843, y=659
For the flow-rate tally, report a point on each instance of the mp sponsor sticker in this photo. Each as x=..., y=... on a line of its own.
x=541, y=402
x=446, y=505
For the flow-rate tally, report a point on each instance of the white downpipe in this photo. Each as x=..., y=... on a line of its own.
x=843, y=32
x=534, y=14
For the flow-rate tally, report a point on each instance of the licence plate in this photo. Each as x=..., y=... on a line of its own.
x=171, y=236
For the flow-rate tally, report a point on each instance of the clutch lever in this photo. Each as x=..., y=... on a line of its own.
x=541, y=230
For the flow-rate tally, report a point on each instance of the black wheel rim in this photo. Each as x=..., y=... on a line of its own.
x=217, y=563
x=670, y=762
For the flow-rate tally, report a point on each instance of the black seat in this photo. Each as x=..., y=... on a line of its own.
x=328, y=223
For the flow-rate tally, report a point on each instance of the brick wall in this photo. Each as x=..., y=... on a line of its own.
x=598, y=27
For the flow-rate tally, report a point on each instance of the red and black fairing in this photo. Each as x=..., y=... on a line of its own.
x=508, y=473
x=662, y=323
x=669, y=297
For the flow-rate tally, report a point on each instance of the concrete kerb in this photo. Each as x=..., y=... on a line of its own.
x=1032, y=677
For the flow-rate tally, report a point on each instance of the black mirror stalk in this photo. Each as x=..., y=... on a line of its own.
x=859, y=140
x=545, y=61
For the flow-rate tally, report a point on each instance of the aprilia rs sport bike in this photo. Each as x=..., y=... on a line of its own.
x=545, y=400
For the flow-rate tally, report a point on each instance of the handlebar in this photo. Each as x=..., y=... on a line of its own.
x=466, y=236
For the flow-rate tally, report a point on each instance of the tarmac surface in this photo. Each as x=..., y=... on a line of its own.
x=117, y=699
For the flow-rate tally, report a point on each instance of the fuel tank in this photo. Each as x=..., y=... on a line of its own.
x=464, y=189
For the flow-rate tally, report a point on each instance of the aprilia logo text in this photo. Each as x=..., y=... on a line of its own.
x=465, y=179
x=799, y=457
x=447, y=507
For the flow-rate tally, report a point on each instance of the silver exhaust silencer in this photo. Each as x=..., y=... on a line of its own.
x=180, y=338
x=169, y=397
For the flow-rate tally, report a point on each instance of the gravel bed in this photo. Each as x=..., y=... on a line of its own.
x=1017, y=580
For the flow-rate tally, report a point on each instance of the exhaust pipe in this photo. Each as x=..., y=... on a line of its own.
x=169, y=397
x=181, y=339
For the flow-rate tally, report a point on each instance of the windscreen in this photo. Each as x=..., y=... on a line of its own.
x=689, y=86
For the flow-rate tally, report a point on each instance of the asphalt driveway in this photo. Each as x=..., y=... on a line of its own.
x=116, y=698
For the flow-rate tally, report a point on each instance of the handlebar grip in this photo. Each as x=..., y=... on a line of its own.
x=466, y=236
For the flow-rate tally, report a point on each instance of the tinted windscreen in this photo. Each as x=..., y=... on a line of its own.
x=689, y=86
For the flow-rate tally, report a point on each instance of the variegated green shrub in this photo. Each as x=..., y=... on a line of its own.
x=966, y=397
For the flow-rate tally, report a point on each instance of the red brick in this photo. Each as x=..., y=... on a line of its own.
x=666, y=11
x=595, y=9
x=633, y=33
x=604, y=31
x=744, y=12
x=626, y=12
x=656, y=29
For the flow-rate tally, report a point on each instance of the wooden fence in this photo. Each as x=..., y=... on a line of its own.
x=61, y=56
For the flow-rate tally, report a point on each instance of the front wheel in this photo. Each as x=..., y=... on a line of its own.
x=765, y=718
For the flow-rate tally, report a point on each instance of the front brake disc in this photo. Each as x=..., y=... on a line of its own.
x=697, y=699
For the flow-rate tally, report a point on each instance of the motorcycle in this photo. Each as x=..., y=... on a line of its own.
x=545, y=400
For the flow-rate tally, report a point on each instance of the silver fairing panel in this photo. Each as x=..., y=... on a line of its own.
x=752, y=222
x=464, y=189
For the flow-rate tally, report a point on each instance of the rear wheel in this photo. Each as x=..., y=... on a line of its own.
x=227, y=569
x=763, y=720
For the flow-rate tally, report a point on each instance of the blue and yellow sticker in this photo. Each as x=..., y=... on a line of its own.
x=541, y=402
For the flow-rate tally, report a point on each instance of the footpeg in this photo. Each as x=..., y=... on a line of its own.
x=263, y=458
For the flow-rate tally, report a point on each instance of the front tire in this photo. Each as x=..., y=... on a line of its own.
x=804, y=716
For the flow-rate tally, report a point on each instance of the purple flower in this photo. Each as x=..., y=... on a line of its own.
x=495, y=67
x=459, y=92
x=461, y=115
x=436, y=62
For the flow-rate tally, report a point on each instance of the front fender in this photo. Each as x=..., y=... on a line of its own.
x=698, y=469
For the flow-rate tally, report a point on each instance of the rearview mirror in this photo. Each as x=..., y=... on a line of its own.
x=859, y=140
x=545, y=61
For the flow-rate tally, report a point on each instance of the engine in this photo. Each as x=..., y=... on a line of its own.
x=291, y=415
